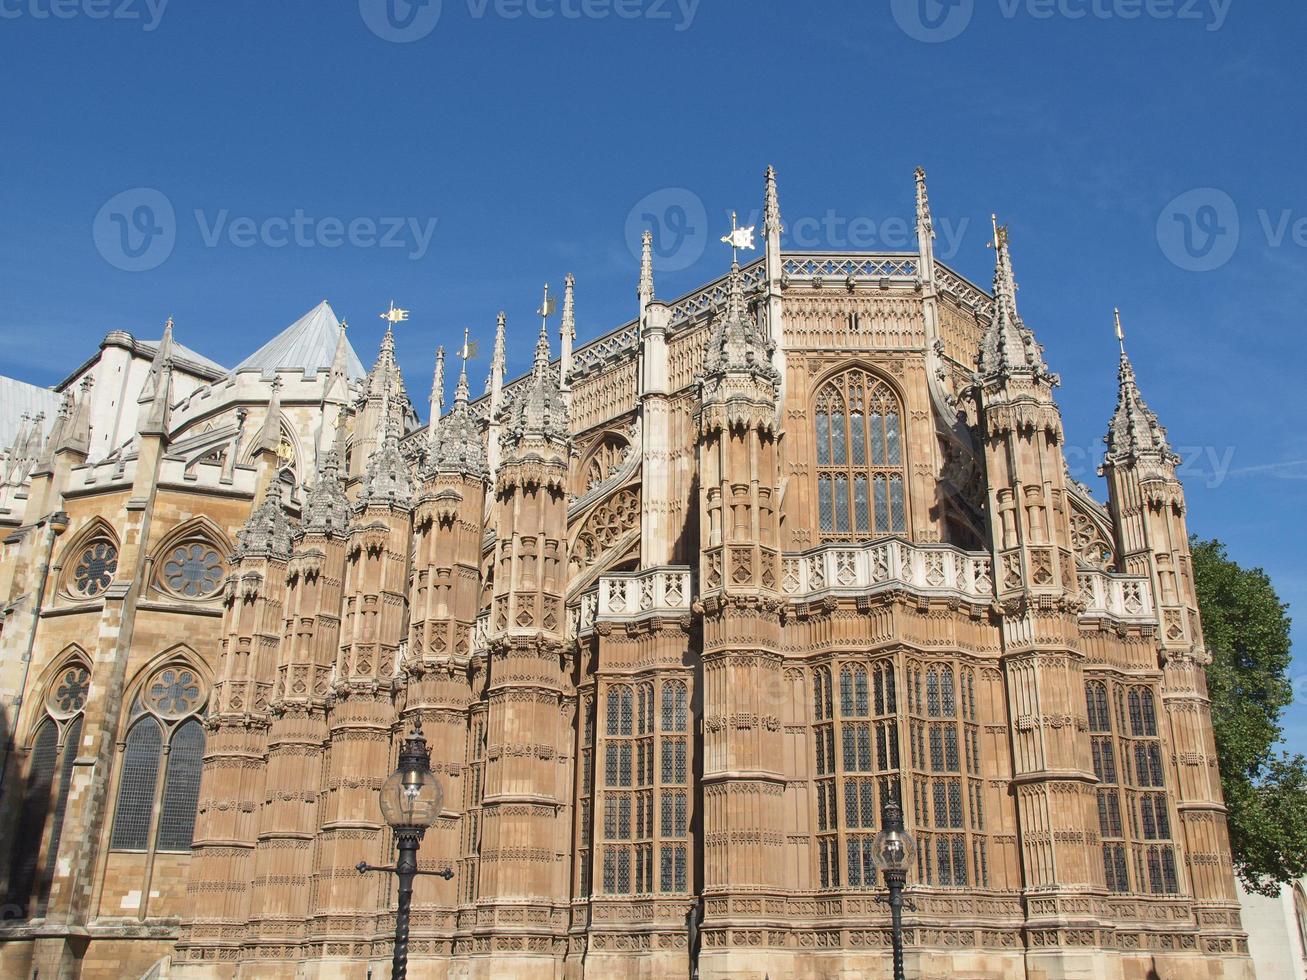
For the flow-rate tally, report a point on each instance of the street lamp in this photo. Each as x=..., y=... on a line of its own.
x=410, y=803
x=893, y=850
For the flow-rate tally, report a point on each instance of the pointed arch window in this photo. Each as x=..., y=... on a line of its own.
x=45, y=796
x=861, y=474
x=163, y=755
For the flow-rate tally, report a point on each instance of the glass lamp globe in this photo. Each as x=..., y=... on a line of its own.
x=411, y=796
x=893, y=848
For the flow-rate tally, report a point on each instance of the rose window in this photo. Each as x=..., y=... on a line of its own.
x=193, y=570
x=70, y=691
x=95, y=568
x=174, y=692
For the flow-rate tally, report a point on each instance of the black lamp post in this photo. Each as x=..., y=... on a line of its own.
x=410, y=802
x=893, y=850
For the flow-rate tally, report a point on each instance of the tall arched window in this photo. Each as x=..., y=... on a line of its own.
x=45, y=797
x=159, y=784
x=861, y=478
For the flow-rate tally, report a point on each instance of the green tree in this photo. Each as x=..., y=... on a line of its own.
x=1246, y=629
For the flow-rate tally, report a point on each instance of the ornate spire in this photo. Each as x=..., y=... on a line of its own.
x=437, y=398
x=498, y=362
x=388, y=481
x=338, y=377
x=737, y=343
x=326, y=508
x=771, y=223
x=538, y=410
x=156, y=393
x=567, y=332
x=1134, y=435
x=267, y=533
x=458, y=447
x=1008, y=347
x=646, y=289
x=270, y=433
x=925, y=222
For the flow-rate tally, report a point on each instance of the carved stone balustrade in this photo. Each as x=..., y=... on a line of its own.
x=887, y=564
x=663, y=591
x=1123, y=597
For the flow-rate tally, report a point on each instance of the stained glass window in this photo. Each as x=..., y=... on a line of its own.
x=95, y=568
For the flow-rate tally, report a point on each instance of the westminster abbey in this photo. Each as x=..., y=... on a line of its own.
x=677, y=611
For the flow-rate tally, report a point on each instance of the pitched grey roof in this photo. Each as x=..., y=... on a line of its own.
x=17, y=397
x=308, y=344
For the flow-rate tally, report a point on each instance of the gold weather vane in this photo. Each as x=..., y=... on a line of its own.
x=1000, y=234
x=547, y=307
x=394, y=314
x=469, y=349
x=738, y=238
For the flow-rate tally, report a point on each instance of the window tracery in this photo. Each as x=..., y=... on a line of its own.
x=162, y=758
x=1127, y=754
x=45, y=799
x=193, y=570
x=646, y=761
x=94, y=566
x=861, y=474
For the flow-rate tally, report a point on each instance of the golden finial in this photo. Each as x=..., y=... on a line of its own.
x=1120, y=334
x=394, y=314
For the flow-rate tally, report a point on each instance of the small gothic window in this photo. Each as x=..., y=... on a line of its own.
x=95, y=568
x=193, y=570
x=860, y=467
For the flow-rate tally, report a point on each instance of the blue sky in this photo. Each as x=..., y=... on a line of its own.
x=1146, y=153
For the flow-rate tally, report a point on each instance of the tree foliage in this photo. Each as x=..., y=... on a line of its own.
x=1246, y=629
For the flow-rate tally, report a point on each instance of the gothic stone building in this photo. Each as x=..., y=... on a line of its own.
x=677, y=611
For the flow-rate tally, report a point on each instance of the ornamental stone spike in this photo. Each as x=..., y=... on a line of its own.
x=771, y=207
x=1008, y=346
x=567, y=333
x=458, y=447
x=646, y=288
x=267, y=532
x=437, y=398
x=1134, y=434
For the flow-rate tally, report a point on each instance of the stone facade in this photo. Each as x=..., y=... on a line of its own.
x=676, y=610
